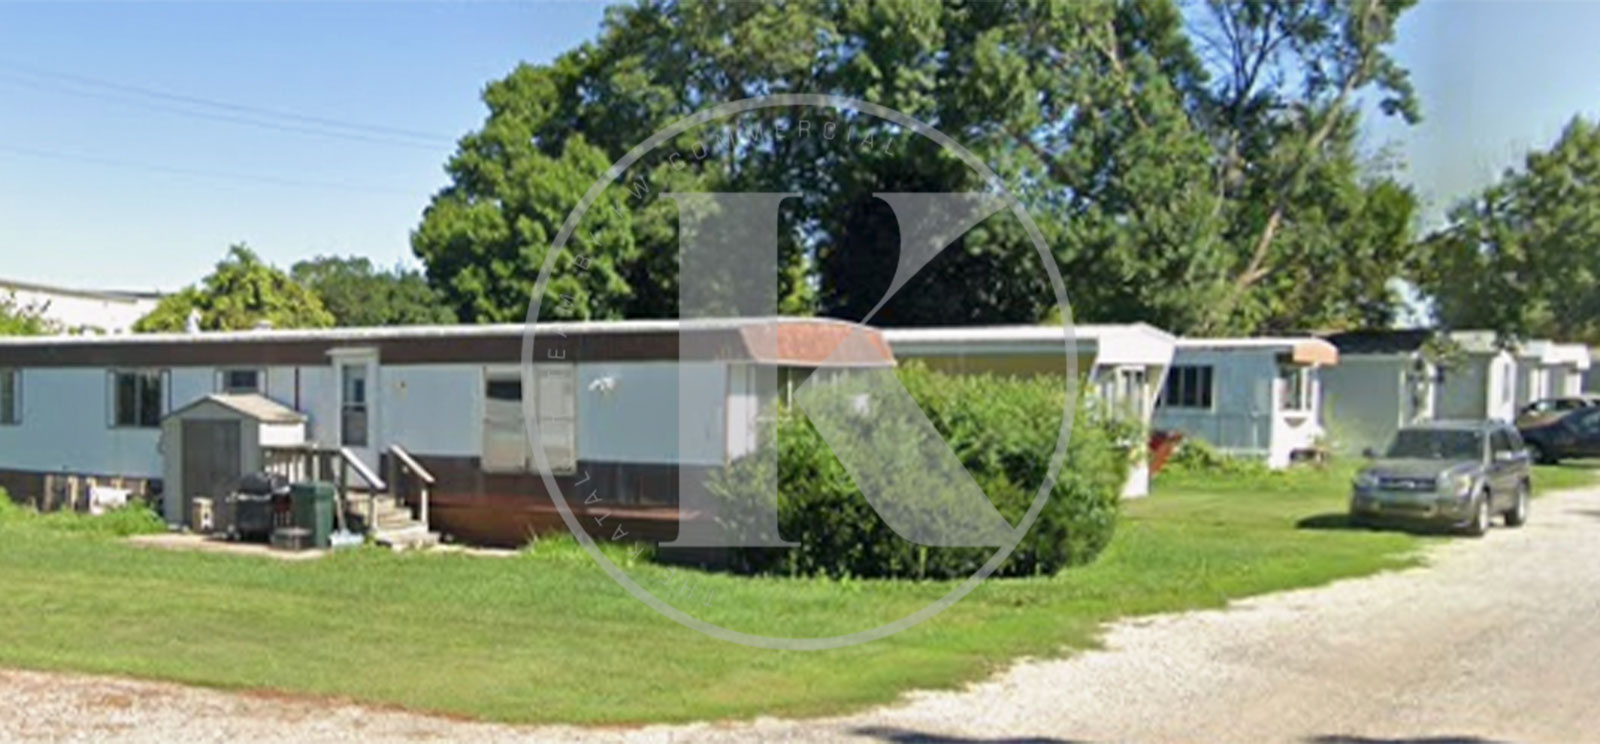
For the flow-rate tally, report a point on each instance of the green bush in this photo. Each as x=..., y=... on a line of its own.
x=134, y=519
x=1004, y=432
x=1199, y=457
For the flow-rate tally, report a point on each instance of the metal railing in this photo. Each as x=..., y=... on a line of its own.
x=401, y=463
x=302, y=462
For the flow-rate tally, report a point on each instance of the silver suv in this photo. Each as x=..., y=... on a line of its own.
x=1455, y=474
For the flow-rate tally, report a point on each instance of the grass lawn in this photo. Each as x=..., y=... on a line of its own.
x=547, y=637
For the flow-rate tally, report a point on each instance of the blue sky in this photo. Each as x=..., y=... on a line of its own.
x=103, y=186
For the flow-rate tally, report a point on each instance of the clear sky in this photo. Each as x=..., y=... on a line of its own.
x=123, y=165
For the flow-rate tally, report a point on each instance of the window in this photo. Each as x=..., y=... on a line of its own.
x=238, y=381
x=1188, y=386
x=505, y=441
x=136, y=399
x=505, y=435
x=1294, y=385
x=353, y=405
x=10, y=397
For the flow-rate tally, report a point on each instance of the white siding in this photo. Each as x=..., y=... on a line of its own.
x=435, y=409
x=1246, y=415
x=635, y=417
x=65, y=415
x=1362, y=400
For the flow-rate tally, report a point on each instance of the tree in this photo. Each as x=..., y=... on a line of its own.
x=1522, y=257
x=359, y=295
x=239, y=294
x=1171, y=186
x=17, y=319
x=1282, y=114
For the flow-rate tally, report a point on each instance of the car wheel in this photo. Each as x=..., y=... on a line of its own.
x=1479, y=526
x=1540, y=454
x=1518, y=514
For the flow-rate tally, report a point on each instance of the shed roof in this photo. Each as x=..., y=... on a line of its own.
x=258, y=407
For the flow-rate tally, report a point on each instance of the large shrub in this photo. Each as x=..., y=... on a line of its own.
x=1004, y=432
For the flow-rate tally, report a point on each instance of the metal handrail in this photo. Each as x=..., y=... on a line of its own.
x=373, y=481
x=411, y=463
x=401, y=461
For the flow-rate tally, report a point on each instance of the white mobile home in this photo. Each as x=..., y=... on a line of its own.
x=1546, y=369
x=610, y=398
x=1258, y=397
x=1479, y=381
x=1123, y=364
x=1383, y=381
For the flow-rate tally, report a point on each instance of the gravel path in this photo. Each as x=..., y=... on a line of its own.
x=1496, y=641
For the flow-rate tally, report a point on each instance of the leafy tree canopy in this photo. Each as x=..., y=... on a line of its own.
x=1522, y=257
x=1189, y=170
x=239, y=294
x=359, y=295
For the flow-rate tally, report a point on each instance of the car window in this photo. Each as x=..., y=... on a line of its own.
x=1515, y=437
x=1436, y=444
x=1499, y=442
x=1588, y=421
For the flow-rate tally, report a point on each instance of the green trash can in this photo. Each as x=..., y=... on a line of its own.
x=312, y=508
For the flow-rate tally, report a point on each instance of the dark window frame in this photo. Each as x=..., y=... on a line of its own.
x=10, y=396
x=146, y=391
x=1189, y=387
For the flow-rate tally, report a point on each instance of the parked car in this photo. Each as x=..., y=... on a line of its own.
x=1550, y=407
x=1566, y=435
x=1455, y=474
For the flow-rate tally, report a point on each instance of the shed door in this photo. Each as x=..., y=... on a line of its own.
x=210, y=460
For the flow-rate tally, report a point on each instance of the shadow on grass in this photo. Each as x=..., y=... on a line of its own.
x=1341, y=521
x=1330, y=521
x=1401, y=740
x=907, y=736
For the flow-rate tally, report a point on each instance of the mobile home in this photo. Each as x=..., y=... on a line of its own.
x=1547, y=369
x=1123, y=364
x=1383, y=381
x=1479, y=381
x=610, y=399
x=1257, y=397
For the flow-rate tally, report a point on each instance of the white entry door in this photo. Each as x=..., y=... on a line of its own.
x=355, y=374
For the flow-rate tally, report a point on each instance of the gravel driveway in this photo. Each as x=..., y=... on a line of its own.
x=1498, y=640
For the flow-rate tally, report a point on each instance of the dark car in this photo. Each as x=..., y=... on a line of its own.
x=1455, y=474
x=1572, y=434
x=1546, y=408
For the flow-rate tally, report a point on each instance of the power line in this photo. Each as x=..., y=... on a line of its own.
x=199, y=173
x=5, y=78
x=238, y=113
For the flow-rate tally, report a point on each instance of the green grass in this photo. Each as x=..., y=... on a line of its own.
x=547, y=637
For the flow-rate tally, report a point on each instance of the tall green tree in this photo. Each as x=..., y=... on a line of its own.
x=358, y=294
x=1282, y=111
x=1170, y=185
x=1522, y=256
x=240, y=294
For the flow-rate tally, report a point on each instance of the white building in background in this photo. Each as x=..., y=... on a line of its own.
x=1546, y=369
x=1480, y=382
x=81, y=310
